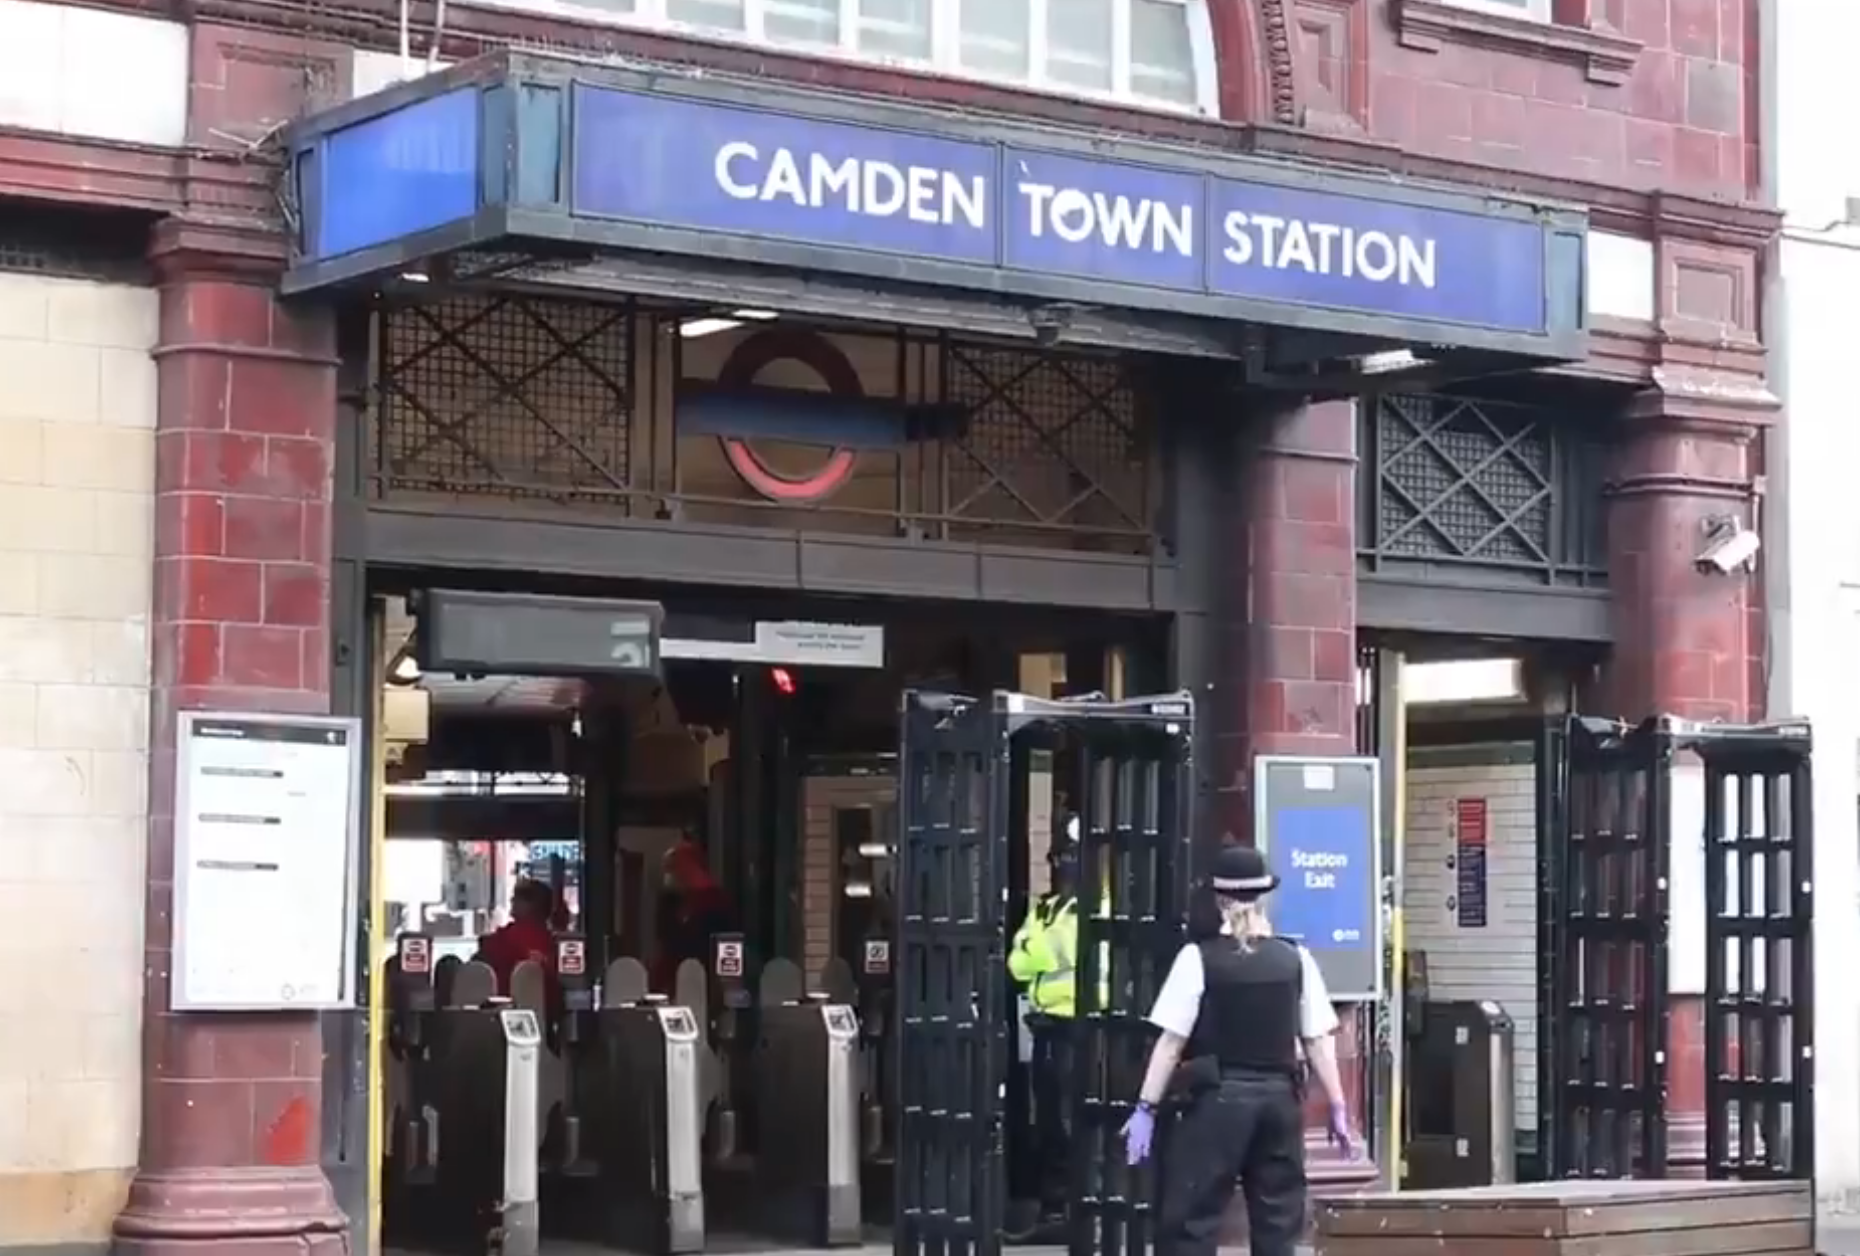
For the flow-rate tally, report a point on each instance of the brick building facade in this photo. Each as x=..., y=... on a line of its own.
x=1643, y=112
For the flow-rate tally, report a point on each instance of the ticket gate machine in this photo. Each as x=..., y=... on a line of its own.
x=647, y=1140
x=1462, y=1097
x=807, y=1101
x=464, y=1174
x=576, y=1043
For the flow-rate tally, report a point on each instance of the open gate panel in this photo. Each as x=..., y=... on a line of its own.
x=965, y=764
x=1618, y=805
x=1758, y=814
x=951, y=966
x=1603, y=908
x=1134, y=824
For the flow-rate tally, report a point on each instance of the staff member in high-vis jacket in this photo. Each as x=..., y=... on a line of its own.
x=1044, y=962
x=1232, y=1012
x=1043, y=958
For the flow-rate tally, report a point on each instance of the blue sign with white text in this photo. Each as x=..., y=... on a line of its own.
x=722, y=168
x=1325, y=861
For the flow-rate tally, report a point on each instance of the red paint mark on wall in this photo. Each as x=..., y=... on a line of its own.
x=288, y=1139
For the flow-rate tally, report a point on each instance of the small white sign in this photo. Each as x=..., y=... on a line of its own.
x=877, y=956
x=416, y=954
x=571, y=957
x=729, y=958
x=266, y=827
x=791, y=643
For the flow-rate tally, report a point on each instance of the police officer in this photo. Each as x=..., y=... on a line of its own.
x=1232, y=1011
x=1043, y=960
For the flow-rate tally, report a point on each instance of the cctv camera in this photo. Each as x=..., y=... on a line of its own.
x=1729, y=546
x=1050, y=322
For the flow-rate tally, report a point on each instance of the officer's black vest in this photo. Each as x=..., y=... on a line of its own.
x=1249, y=1005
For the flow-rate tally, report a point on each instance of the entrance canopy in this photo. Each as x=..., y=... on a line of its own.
x=595, y=177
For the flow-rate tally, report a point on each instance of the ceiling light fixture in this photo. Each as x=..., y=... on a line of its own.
x=404, y=670
x=710, y=325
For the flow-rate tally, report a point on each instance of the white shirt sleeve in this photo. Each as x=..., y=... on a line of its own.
x=1178, y=1003
x=1316, y=1017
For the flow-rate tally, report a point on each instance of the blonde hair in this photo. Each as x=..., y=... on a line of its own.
x=1245, y=920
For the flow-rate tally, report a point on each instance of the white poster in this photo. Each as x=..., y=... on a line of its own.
x=267, y=812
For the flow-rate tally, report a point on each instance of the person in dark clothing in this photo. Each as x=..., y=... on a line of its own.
x=1232, y=1011
x=693, y=910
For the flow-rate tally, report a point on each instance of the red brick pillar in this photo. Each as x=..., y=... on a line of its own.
x=1294, y=646
x=1683, y=644
x=231, y=1105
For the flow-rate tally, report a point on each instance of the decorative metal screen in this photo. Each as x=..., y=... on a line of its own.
x=579, y=403
x=1051, y=442
x=506, y=397
x=1450, y=482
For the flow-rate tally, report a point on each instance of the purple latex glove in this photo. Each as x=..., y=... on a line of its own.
x=1138, y=1130
x=1340, y=1128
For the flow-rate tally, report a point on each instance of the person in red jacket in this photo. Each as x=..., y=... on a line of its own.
x=693, y=911
x=526, y=937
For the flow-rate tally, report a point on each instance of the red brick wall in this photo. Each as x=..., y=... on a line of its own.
x=1682, y=115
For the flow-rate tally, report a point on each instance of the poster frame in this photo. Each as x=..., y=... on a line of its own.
x=185, y=901
x=1377, y=945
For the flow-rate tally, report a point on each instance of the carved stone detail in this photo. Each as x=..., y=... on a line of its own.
x=1281, y=62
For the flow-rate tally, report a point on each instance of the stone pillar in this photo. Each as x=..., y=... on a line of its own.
x=1684, y=643
x=1287, y=682
x=244, y=435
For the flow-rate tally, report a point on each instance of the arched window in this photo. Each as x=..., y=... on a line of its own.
x=1152, y=53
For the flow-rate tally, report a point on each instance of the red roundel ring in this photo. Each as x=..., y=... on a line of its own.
x=835, y=370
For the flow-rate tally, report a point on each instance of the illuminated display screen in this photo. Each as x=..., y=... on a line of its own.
x=514, y=634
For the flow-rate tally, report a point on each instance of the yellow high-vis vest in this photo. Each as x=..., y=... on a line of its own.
x=1044, y=956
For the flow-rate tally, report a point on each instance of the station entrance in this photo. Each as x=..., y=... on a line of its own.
x=692, y=1043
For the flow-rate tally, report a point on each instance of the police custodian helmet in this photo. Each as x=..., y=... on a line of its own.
x=1241, y=872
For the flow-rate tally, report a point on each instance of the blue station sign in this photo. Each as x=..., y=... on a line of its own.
x=683, y=163
x=518, y=147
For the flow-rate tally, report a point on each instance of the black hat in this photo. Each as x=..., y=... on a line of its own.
x=1241, y=872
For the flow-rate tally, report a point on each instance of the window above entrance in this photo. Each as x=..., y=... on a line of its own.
x=1150, y=53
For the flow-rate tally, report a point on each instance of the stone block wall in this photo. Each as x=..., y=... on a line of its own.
x=77, y=524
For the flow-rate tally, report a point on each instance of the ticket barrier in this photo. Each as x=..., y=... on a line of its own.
x=802, y=1185
x=463, y=1174
x=648, y=1142
x=872, y=997
x=1462, y=1096
x=575, y=1040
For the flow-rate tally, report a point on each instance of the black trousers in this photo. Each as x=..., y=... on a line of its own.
x=1052, y=1112
x=1249, y=1133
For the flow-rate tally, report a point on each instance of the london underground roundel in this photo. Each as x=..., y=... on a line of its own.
x=831, y=366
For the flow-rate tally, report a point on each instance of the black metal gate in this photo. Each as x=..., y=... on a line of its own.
x=1759, y=950
x=1602, y=916
x=962, y=801
x=1617, y=807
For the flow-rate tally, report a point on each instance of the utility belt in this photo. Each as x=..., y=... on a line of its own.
x=1203, y=1074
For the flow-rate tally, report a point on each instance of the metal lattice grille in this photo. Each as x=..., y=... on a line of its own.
x=1052, y=442
x=1479, y=484
x=525, y=398
x=506, y=397
x=74, y=242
